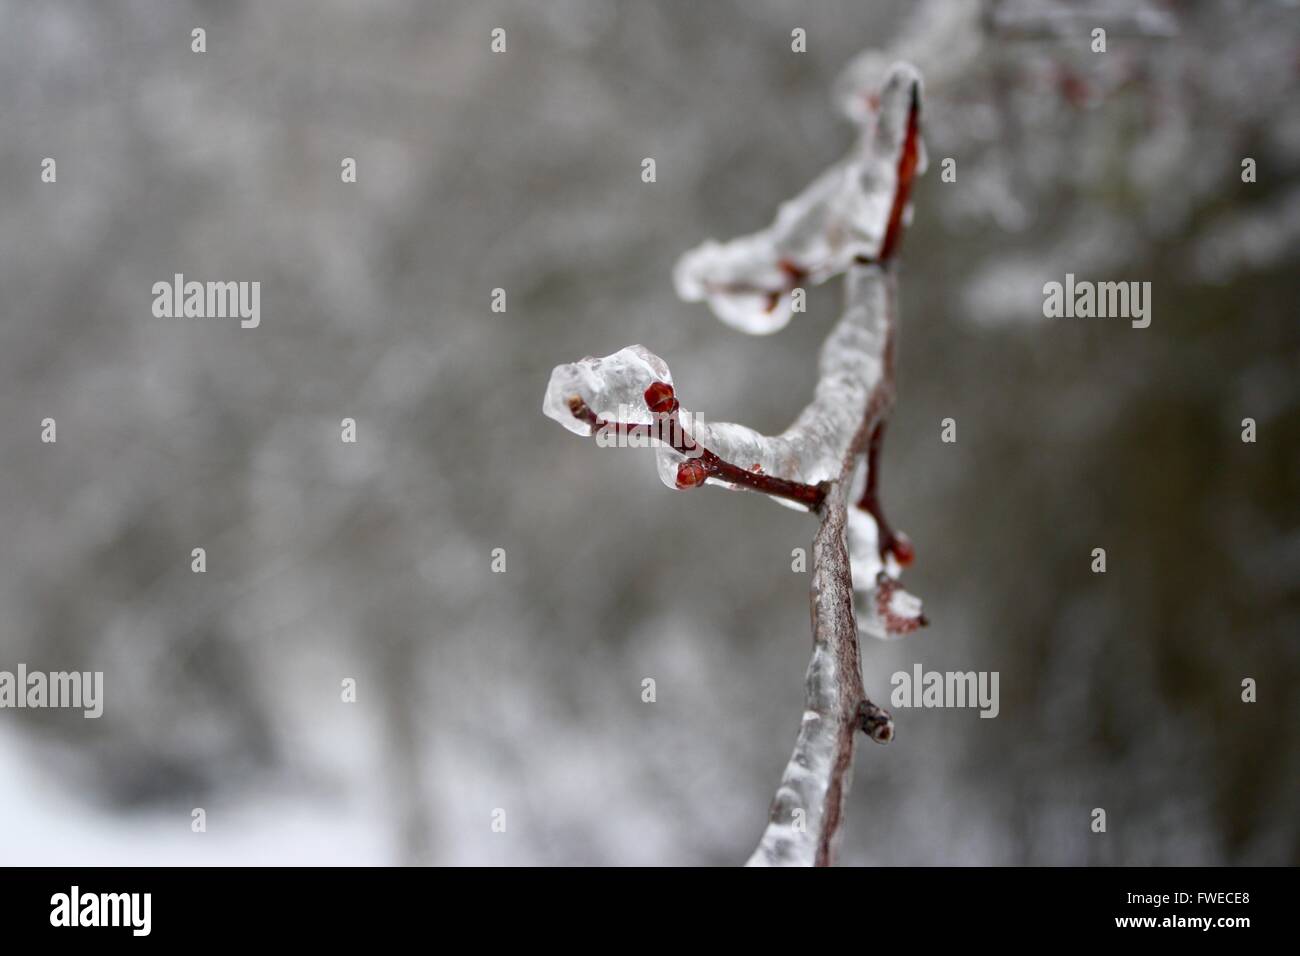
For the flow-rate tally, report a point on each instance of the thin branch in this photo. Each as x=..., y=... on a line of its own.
x=889, y=541
x=908, y=160
x=701, y=464
x=817, y=777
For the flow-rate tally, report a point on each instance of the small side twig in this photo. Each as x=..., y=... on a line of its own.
x=701, y=463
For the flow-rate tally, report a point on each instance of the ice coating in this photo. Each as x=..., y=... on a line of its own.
x=840, y=218
x=891, y=611
x=613, y=387
x=864, y=553
x=736, y=279
x=944, y=39
x=851, y=364
x=885, y=610
x=810, y=451
x=788, y=840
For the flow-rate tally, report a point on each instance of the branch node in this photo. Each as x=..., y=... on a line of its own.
x=876, y=722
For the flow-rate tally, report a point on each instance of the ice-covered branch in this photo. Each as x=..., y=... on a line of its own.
x=611, y=398
x=851, y=213
x=850, y=220
x=809, y=805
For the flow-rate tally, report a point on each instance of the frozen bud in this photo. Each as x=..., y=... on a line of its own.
x=612, y=388
x=660, y=398
x=902, y=550
x=691, y=473
x=893, y=612
x=876, y=722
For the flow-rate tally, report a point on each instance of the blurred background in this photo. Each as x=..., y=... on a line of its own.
x=522, y=690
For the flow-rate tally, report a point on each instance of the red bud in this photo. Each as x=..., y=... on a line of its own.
x=691, y=473
x=660, y=398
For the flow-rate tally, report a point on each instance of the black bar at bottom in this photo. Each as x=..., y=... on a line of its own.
x=337, y=906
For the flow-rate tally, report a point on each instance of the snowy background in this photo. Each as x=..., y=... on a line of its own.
x=522, y=690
